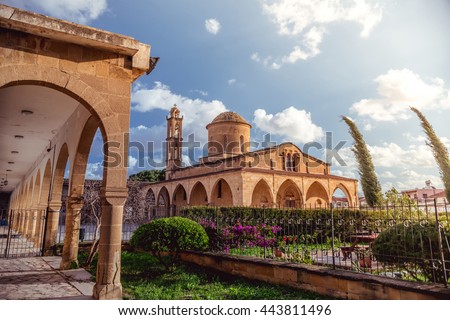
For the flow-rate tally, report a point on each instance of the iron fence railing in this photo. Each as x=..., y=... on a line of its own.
x=402, y=241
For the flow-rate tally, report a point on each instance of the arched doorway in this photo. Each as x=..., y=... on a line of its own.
x=150, y=205
x=289, y=195
x=163, y=203
x=340, y=197
x=198, y=196
x=221, y=195
x=179, y=199
x=316, y=196
x=262, y=196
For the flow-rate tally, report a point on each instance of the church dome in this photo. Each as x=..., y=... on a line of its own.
x=229, y=116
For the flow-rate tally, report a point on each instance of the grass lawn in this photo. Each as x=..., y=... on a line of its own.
x=143, y=278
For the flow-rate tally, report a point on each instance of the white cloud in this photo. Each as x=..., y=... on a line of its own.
x=348, y=173
x=212, y=26
x=400, y=89
x=94, y=171
x=291, y=123
x=410, y=179
x=231, y=81
x=387, y=174
x=199, y=112
x=409, y=167
x=132, y=161
x=80, y=11
x=200, y=92
x=392, y=155
x=310, y=46
x=305, y=21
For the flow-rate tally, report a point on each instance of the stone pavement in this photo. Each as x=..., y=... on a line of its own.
x=41, y=278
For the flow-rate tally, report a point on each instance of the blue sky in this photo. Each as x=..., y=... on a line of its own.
x=291, y=68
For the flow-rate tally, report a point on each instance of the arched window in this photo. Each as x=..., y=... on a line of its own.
x=289, y=166
x=241, y=143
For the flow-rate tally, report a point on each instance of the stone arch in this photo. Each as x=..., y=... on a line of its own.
x=179, y=199
x=46, y=181
x=221, y=194
x=79, y=164
x=36, y=189
x=150, y=203
x=339, y=202
x=163, y=203
x=75, y=193
x=289, y=195
x=198, y=197
x=61, y=81
x=262, y=195
x=58, y=175
x=317, y=196
x=29, y=194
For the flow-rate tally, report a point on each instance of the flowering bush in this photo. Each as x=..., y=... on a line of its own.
x=260, y=235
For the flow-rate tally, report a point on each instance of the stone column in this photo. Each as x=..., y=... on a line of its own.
x=16, y=220
x=21, y=221
x=40, y=222
x=32, y=224
x=51, y=232
x=108, y=284
x=73, y=218
x=26, y=222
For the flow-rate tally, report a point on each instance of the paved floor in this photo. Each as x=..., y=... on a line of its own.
x=41, y=278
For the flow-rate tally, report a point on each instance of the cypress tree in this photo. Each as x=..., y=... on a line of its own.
x=439, y=149
x=369, y=181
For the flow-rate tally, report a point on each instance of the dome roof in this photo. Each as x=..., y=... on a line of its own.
x=229, y=116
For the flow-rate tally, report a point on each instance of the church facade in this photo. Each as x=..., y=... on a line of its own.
x=281, y=176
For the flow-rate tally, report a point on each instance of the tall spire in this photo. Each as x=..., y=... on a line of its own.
x=173, y=141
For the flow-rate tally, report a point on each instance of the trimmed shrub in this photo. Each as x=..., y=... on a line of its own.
x=415, y=248
x=166, y=238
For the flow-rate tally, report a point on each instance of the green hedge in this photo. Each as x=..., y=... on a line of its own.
x=415, y=247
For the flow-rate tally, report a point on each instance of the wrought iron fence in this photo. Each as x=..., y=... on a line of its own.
x=408, y=242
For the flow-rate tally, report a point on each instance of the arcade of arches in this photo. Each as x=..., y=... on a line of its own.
x=59, y=83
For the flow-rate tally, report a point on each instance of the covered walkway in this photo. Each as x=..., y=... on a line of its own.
x=41, y=278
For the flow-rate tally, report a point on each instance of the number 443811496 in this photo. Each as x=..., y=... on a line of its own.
x=295, y=310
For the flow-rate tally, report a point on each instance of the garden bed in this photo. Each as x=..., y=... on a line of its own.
x=144, y=278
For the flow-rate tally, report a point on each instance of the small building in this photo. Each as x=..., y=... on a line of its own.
x=425, y=194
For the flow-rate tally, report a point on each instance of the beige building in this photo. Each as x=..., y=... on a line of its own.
x=231, y=175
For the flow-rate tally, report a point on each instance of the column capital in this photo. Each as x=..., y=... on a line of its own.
x=75, y=202
x=114, y=196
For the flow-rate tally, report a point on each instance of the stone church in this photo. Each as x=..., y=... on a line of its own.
x=281, y=176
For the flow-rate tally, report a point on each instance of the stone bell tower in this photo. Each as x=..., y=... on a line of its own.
x=173, y=141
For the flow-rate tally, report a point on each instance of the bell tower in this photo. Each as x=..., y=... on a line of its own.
x=173, y=141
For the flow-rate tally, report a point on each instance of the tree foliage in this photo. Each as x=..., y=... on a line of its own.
x=170, y=235
x=439, y=149
x=369, y=181
x=149, y=176
x=415, y=247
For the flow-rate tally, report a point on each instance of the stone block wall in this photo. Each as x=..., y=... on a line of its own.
x=322, y=280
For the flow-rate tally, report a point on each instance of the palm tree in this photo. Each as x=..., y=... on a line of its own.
x=439, y=149
x=369, y=181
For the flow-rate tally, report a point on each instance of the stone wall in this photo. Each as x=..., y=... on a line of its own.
x=335, y=283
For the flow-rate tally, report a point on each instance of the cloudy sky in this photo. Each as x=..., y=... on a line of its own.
x=291, y=68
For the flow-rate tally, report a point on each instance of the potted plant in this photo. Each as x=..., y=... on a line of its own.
x=278, y=251
x=364, y=256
